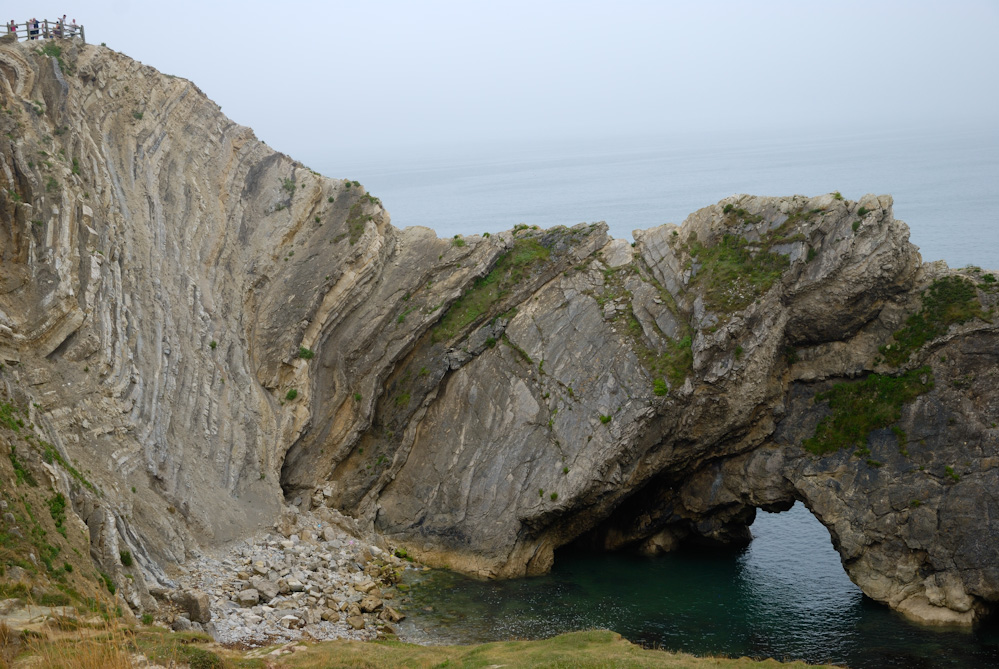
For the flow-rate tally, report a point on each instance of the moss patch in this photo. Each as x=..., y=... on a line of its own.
x=860, y=407
x=948, y=301
x=733, y=274
x=510, y=269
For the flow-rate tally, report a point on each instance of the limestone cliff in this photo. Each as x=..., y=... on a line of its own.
x=208, y=328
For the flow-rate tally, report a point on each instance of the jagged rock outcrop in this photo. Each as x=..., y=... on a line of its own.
x=207, y=327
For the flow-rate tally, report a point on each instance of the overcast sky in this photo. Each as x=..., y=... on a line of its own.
x=313, y=78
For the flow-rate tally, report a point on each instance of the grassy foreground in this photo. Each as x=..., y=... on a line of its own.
x=583, y=650
x=117, y=647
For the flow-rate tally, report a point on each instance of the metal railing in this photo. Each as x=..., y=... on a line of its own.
x=43, y=29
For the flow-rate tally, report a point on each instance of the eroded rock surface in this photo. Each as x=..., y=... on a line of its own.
x=209, y=329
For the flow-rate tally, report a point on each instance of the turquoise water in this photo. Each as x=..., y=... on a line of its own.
x=945, y=183
x=785, y=596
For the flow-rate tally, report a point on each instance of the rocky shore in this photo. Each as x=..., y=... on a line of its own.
x=308, y=578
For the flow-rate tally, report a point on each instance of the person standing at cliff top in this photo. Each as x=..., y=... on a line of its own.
x=33, y=28
x=12, y=27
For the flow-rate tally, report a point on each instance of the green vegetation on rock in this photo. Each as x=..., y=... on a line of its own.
x=356, y=220
x=948, y=301
x=860, y=407
x=510, y=269
x=732, y=273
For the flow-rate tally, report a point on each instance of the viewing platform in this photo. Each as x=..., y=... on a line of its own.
x=37, y=29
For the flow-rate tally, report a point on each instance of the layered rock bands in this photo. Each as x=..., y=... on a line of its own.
x=207, y=329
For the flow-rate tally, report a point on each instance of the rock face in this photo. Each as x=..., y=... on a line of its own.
x=209, y=328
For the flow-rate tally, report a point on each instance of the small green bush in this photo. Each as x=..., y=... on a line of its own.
x=605, y=419
x=126, y=558
x=862, y=212
x=137, y=115
x=292, y=394
x=553, y=496
x=147, y=619
x=212, y=344
x=659, y=387
x=357, y=397
x=952, y=474
x=856, y=226
x=288, y=185
x=305, y=354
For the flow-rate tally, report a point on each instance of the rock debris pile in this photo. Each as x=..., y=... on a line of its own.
x=310, y=578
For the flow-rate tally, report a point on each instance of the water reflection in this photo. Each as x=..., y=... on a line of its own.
x=784, y=596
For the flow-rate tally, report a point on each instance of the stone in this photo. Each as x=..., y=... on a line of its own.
x=357, y=622
x=248, y=597
x=267, y=588
x=370, y=604
x=181, y=624
x=290, y=622
x=389, y=614
x=196, y=604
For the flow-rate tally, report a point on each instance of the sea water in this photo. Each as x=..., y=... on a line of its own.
x=786, y=595
x=945, y=183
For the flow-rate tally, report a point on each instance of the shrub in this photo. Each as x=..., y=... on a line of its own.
x=862, y=212
x=553, y=496
x=605, y=419
x=147, y=619
x=288, y=185
x=856, y=225
x=305, y=354
x=952, y=474
x=659, y=387
x=57, y=509
x=137, y=115
x=357, y=397
x=292, y=394
x=212, y=344
x=126, y=558
x=108, y=583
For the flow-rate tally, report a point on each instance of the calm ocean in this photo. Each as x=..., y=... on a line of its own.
x=786, y=595
x=945, y=183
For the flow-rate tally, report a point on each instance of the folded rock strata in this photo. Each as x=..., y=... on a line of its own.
x=210, y=328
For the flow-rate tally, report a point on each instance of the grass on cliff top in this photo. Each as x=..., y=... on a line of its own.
x=733, y=274
x=860, y=407
x=948, y=301
x=486, y=291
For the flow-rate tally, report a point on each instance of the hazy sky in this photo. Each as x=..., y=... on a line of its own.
x=313, y=78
